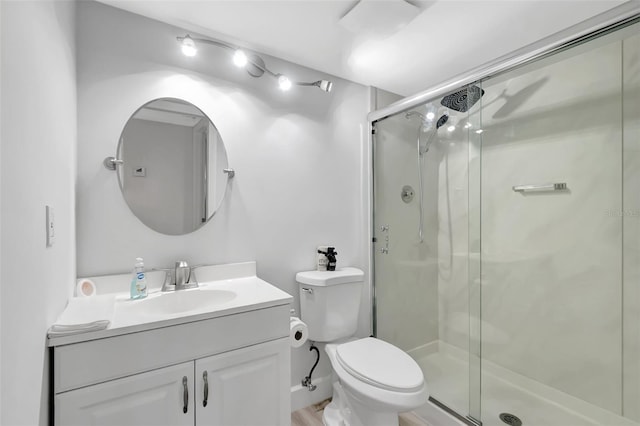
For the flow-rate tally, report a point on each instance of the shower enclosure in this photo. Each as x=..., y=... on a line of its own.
x=507, y=237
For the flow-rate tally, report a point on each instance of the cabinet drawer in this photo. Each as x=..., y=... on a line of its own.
x=87, y=363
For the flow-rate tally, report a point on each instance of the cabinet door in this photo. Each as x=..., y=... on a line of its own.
x=249, y=386
x=153, y=398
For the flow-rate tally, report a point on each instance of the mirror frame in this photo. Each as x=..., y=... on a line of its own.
x=229, y=173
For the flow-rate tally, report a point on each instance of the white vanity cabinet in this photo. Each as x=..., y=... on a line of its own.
x=157, y=376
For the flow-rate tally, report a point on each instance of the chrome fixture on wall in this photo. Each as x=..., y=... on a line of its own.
x=253, y=64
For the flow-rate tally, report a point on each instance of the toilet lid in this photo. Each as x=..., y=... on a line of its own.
x=380, y=364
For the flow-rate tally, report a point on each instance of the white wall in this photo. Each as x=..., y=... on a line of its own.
x=297, y=157
x=38, y=169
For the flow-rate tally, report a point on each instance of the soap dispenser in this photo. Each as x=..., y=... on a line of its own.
x=330, y=256
x=138, y=280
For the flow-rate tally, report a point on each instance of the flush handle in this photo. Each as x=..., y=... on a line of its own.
x=307, y=290
x=206, y=389
x=185, y=395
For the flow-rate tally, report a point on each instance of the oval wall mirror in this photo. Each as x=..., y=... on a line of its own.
x=172, y=174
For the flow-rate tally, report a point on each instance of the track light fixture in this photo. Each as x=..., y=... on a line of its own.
x=240, y=59
x=325, y=85
x=188, y=46
x=253, y=64
x=284, y=83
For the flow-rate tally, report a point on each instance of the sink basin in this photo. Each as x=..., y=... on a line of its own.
x=182, y=301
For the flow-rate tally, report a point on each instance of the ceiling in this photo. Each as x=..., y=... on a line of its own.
x=446, y=38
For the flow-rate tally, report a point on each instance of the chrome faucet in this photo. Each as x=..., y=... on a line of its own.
x=181, y=277
x=182, y=273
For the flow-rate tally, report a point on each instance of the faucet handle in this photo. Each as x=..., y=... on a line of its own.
x=169, y=278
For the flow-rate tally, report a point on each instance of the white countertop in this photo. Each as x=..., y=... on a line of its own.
x=232, y=288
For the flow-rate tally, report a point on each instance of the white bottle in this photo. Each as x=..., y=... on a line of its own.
x=321, y=259
x=139, y=280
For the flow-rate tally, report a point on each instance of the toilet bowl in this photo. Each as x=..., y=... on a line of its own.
x=373, y=380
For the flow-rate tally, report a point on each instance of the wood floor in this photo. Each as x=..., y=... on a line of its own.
x=312, y=416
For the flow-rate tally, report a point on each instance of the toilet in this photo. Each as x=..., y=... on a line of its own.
x=373, y=380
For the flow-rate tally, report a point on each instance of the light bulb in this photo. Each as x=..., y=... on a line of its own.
x=430, y=116
x=240, y=59
x=479, y=131
x=189, y=46
x=284, y=83
x=451, y=128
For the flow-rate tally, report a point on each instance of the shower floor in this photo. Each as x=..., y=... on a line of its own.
x=503, y=391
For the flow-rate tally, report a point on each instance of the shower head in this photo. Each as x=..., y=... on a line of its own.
x=463, y=100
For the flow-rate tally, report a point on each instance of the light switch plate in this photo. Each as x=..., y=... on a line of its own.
x=51, y=234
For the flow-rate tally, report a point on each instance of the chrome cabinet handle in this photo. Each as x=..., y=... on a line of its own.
x=206, y=389
x=185, y=395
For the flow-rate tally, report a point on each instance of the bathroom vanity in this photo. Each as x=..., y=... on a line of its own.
x=219, y=357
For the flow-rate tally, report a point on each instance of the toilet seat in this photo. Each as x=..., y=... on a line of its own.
x=380, y=364
x=373, y=395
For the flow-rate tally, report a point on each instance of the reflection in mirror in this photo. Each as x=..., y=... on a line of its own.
x=173, y=175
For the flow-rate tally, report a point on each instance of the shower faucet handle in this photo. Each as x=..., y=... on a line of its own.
x=384, y=228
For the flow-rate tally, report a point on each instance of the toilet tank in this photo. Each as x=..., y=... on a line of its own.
x=330, y=302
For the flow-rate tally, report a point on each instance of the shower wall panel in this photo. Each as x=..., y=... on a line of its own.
x=551, y=261
x=453, y=241
x=406, y=277
x=631, y=224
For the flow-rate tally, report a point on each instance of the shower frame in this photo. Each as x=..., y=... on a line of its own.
x=609, y=21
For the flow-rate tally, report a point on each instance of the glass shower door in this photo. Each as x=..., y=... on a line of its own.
x=559, y=281
x=507, y=240
x=426, y=250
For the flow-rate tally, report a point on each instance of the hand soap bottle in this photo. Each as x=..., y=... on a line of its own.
x=138, y=281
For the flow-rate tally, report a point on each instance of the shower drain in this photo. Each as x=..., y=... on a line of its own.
x=510, y=419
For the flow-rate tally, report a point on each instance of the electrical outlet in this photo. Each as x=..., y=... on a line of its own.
x=51, y=229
